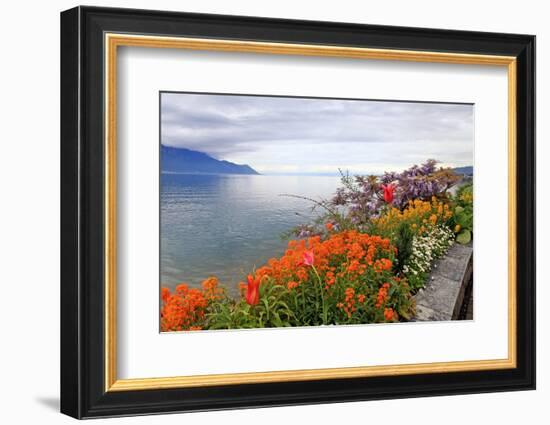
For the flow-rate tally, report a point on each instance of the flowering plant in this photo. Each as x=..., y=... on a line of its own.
x=426, y=248
x=346, y=278
x=365, y=196
x=359, y=262
x=185, y=309
x=463, y=217
x=419, y=215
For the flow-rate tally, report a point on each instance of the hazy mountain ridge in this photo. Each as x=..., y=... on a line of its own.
x=182, y=160
x=467, y=171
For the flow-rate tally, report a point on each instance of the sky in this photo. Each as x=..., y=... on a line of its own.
x=285, y=135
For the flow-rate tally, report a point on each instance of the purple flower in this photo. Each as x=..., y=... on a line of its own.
x=362, y=195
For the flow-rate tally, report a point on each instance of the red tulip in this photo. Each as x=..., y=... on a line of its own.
x=309, y=258
x=253, y=290
x=388, y=192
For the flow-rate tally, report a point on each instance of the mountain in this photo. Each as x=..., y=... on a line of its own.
x=181, y=160
x=467, y=171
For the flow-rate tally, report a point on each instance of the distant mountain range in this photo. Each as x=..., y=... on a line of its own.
x=467, y=171
x=181, y=160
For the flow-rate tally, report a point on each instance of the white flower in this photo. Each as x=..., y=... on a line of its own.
x=427, y=248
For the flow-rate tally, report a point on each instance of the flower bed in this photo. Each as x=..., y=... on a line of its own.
x=360, y=262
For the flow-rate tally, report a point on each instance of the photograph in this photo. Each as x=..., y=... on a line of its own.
x=279, y=211
x=288, y=210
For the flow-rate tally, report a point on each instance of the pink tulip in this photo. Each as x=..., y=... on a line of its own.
x=308, y=258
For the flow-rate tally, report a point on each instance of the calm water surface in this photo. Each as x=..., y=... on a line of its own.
x=226, y=225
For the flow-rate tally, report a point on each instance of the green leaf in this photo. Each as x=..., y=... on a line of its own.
x=464, y=237
x=404, y=313
x=459, y=209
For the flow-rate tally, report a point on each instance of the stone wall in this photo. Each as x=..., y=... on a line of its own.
x=443, y=295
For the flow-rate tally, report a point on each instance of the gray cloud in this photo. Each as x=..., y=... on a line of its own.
x=275, y=134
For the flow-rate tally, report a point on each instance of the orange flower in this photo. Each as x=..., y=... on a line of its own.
x=182, y=310
x=329, y=226
x=301, y=274
x=164, y=294
x=383, y=264
x=342, y=257
x=211, y=289
x=339, y=258
x=182, y=288
x=389, y=314
x=353, y=266
x=292, y=284
x=349, y=302
x=382, y=296
x=360, y=249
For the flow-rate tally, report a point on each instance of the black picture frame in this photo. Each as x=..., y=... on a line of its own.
x=83, y=392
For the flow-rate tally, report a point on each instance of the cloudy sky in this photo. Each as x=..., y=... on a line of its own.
x=295, y=135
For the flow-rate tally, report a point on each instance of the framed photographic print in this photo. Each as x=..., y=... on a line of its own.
x=261, y=212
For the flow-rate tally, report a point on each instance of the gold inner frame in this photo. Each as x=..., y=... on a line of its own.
x=113, y=41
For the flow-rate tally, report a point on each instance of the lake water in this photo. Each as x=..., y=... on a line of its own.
x=226, y=225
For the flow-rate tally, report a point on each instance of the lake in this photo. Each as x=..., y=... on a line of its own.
x=227, y=225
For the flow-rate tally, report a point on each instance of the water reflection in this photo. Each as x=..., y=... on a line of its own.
x=226, y=225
